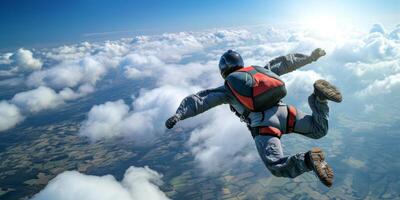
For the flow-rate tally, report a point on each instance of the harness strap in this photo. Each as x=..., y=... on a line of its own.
x=291, y=119
x=243, y=117
x=266, y=130
x=262, y=116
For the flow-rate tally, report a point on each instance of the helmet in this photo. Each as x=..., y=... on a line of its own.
x=230, y=61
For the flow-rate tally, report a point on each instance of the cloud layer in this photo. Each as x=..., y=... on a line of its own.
x=138, y=183
x=363, y=64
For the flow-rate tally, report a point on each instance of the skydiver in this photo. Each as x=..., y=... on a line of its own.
x=268, y=124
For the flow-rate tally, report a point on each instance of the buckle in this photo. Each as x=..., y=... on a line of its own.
x=244, y=119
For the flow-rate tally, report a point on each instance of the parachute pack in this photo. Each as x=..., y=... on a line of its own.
x=256, y=88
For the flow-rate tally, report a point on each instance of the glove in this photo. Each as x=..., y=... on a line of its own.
x=317, y=53
x=170, y=123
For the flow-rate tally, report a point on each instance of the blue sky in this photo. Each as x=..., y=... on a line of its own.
x=47, y=22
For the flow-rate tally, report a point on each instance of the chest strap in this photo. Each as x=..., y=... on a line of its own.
x=291, y=119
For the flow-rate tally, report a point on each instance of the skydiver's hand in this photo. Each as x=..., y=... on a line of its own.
x=170, y=123
x=317, y=53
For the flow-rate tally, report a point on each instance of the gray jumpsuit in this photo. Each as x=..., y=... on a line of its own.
x=269, y=147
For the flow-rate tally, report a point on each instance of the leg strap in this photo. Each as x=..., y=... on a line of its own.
x=291, y=119
x=266, y=130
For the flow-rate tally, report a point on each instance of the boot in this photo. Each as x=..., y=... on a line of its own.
x=326, y=91
x=315, y=160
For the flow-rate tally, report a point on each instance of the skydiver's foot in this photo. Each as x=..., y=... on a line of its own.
x=326, y=91
x=315, y=160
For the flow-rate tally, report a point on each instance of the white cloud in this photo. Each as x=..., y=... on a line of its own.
x=5, y=58
x=299, y=84
x=169, y=47
x=354, y=163
x=377, y=28
x=395, y=34
x=37, y=99
x=69, y=74
x=381, y=86
x=137, y=66
x=104, y=120
x=144, y=121
x=373, y=47
x=24, y=60
x=369, y=70
x=70, y=52
x=69, y=94
x=138, y=183
x=221, y=142
x=9, y=115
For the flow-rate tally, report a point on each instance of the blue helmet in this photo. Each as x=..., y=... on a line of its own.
x=230, y=61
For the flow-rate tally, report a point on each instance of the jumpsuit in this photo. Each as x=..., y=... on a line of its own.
x=269, y=147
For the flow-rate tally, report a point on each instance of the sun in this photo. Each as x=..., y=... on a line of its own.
x=323, y=26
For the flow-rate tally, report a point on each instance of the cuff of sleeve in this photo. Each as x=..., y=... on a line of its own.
x=312, y=59
x=178, y=116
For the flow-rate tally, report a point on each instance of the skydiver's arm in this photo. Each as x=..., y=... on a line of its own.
x=201, y=102
x=198, y=103
x=285, y=64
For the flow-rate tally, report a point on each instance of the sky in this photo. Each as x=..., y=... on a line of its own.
x=43, y=23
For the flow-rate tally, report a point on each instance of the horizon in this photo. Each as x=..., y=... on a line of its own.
x=44, y=23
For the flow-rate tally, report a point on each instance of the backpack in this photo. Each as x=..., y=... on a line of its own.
x=256, y=88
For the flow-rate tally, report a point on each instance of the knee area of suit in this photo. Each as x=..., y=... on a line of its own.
x=274, y=173
x=321, y=134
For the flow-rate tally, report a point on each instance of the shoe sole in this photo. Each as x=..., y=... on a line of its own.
x=328, y=91
x=322, y=169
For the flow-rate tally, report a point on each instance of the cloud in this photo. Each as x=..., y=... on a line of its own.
x=373, y=47
x=354, y=163
x=73, y=72
x=169, y=47
x=221, y=142
x=377, y=28
x=10, y=115
x=381, y=86
x=5, y=58
x=138, y=183
x=140, y=122
x=69, y=74
x=104, y=120
x=137, y=66
x=24, y=60
x=395, y=34
x=368, y=70
x=69, y=94
x=70, y=52
x=38, y=99
x=301, y=82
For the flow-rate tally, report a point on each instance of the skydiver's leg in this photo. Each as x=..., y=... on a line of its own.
x=314, y=125
x=270, y=151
